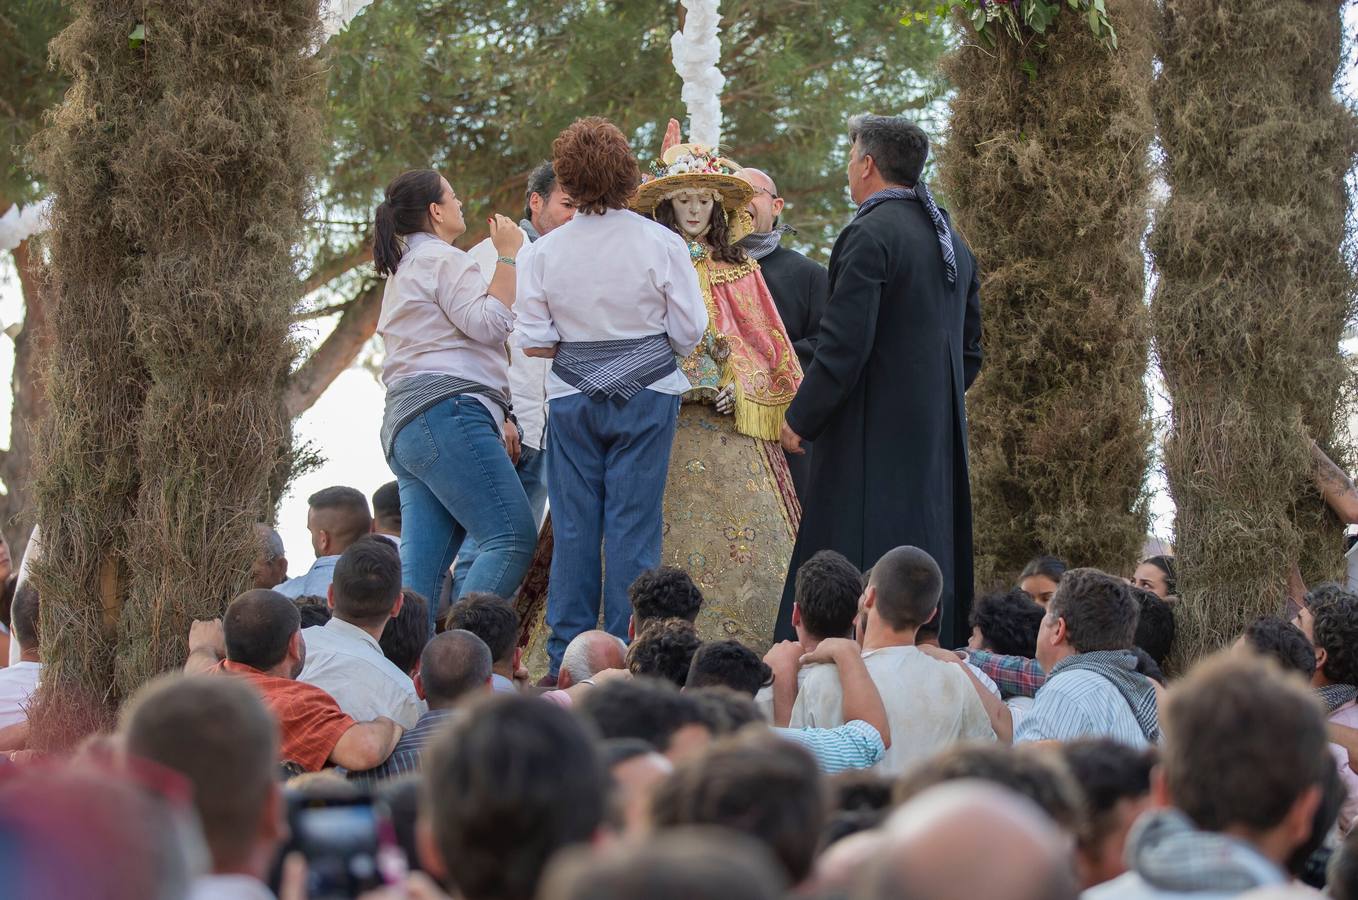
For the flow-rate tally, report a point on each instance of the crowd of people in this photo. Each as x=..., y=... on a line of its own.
x=369, y=727
x=368, y=752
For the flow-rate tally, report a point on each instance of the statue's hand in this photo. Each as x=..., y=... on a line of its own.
x=726, y=400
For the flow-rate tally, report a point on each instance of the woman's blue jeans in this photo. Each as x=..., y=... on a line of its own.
x=457, y=480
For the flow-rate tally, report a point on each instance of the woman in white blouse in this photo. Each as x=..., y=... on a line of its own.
x=447, y=430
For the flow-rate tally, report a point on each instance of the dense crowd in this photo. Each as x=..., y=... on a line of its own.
x=328, y=744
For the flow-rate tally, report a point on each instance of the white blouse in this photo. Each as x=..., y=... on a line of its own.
x=609, y=277
x=437, y=318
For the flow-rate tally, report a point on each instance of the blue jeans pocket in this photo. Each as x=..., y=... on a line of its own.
x=414, y=447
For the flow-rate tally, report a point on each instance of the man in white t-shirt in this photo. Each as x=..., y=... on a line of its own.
x=19, y=679
x=930, y=704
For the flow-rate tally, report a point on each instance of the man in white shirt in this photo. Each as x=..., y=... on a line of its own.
x=218, y=734
x=19, y=679
x=336, y=517
x=930, y=704
x=547, y=206
x=612, y=298
x=343, y=656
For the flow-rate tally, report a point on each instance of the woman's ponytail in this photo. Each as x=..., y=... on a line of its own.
x=404, y=211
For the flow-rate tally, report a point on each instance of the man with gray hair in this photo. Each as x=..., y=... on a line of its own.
x=587, y=655
x=883, y=398
x=799, y=287
x=270, y=567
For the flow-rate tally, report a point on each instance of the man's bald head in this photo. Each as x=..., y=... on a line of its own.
x=453, y=665
x=907, y=584
x=934, y=841
x=765, y=206
x=588, y=654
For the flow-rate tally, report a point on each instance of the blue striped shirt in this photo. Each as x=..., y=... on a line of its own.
x=405, y=758
x=1076, y=703
x=853, y=745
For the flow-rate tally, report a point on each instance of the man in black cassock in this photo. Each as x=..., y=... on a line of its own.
x=799, y=287
x=899, y=344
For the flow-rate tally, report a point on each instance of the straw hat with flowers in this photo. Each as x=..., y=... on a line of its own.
x=693, y=167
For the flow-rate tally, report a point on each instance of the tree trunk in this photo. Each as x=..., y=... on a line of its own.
x=1048, y=180
x=1253, y=292
x=31, y=346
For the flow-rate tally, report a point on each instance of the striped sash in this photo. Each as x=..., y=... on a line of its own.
x=614, y=370
x=411, y=396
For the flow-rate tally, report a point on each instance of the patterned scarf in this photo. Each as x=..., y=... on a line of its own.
x=1336, y=695
x=921, y=193
x=760, y=244
x=1174, y=857
x=1119, y=667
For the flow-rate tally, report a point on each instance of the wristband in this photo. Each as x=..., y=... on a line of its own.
x=507, y=260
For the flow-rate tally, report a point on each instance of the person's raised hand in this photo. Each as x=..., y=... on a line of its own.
x=791, y=441
x=505, y=236
x=784, y=657
x=207, y=636
x=831, y=649
x=672, y=138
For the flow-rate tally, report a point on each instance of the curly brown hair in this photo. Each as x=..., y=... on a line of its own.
x=595, y=165
x=718, y=236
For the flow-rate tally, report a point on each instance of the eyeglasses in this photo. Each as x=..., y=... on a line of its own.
x=772, y=195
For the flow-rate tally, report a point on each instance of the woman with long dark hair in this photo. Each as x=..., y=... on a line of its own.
x=447, y=431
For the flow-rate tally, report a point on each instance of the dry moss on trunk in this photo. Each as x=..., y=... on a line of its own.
x=180, y=166
x=1048, y=179
x=1253, y=294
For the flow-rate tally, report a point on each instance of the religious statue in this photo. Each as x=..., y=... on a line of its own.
x=730, y=511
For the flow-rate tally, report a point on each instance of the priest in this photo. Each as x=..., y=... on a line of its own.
x=898, y=345
x=799, y=287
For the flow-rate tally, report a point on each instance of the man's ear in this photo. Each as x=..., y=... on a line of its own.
x=419, y=686
x=1059, y=632
x=933, y=615
x=632, y=628
x=796, y=615
x=396, y=607
x=273, y=821
x=518, y=658
x=869, y=596
x=1321, y=655
x=777, y=206
x=1301, y=815
x=297, y=645
x=330, y=596
x=431, y=860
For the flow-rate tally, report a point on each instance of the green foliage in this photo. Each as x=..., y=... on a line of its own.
x=480, y=88
x=28, y=87
x=1021, y=20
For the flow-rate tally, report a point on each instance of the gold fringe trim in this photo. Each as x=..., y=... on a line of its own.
x=725, y=275
x=755, y=419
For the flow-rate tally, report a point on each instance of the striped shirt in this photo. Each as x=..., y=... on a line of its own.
x=405, y=758
x=1075, y=704
x=853, y=745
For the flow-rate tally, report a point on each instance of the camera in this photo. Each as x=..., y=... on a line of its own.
x=348, y=840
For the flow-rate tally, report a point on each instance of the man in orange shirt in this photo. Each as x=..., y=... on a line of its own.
x=261, y=638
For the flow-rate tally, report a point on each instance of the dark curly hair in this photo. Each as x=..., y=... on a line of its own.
x=595, y=166
x=728, y=664
x=664, y=650
x=664, y=593
x=718, y=236
x=827, y=591
x=1282, y=642
x=1335, y=612
x=1155, y=627
x=1009, y=621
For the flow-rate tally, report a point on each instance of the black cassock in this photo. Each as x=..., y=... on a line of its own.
x=883, y=401
x=799, y=287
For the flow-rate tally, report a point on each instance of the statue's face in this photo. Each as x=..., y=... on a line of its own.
x=693, y=210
